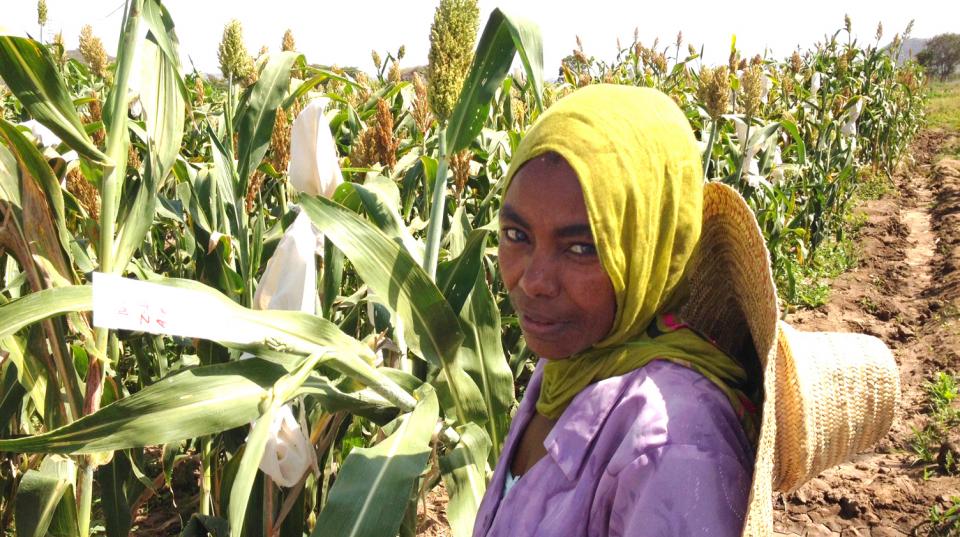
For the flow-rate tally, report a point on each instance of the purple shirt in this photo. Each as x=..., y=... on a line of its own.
x=656, y=452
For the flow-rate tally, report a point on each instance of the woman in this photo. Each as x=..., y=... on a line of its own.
x=601, y=214
x=635, y=423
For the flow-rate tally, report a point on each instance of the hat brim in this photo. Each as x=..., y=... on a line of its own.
x=839, y=394
x=733, y=300
x=826, y=396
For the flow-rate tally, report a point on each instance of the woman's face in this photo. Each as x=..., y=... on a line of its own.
x=549, y=261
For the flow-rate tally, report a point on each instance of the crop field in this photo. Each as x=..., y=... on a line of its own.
x=212, y=324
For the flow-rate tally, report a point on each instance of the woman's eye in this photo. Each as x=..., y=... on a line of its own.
x=514, y=235
x=583, y=249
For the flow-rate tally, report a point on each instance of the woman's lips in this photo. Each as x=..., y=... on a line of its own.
x=540, y=327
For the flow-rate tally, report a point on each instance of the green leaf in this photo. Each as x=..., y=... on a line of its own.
x=35, y=169
x=164, y=109
x=460, y=226
x=381, y=200
x=430, y=325
x=256, y=443
x=464, y=474
x=332, y=276
x=372, y=488
x=801, y=147
x=11, y=394
x=65, y=522
x=163, y=105
x=265, y=333
x=31, y=374
x=42, y=305
x=9, y=177
x=394, y=276
x=502, y=38
x=481, y=353
x=116, y=105
x=134, y=226
x=169, y=460
x=225, y=213
x=206, y=526
x=161, y=26
x=456, y=278
x=32, y=76
x=196, y=402
x=118, y=490
x=760, y=136
x=256, y=117
x=285, y=388
x=41, y=493
x=116, y=123
x=483, y=359
x=428, y=173
x=193, y=403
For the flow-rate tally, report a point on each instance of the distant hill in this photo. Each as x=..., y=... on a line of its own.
x=407, y=73
x=74, y=54
x=911, y=47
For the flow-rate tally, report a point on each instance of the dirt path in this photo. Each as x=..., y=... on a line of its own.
x=906, y=292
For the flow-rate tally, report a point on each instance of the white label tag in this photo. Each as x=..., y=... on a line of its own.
x=124, y=303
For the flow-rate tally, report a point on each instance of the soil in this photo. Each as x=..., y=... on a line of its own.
x=432, y=514
x=904, y=291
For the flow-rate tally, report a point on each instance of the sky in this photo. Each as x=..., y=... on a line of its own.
x=344, y=32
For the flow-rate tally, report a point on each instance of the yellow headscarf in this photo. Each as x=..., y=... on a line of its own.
x=640, y=171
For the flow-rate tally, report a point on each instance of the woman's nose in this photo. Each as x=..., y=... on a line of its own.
x=540, y=277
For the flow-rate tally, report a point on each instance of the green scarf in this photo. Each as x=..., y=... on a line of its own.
x=640, y=171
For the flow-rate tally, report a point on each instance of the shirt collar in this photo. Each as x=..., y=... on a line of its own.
x=568, y=443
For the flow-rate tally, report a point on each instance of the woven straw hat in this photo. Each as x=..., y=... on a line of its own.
x=826, y=396
x=837, y=392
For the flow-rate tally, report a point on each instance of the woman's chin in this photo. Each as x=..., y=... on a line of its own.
x=549, y=350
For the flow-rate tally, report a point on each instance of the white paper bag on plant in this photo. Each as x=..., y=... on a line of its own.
x=289, y=281
x=313, y=168
x=288, y=453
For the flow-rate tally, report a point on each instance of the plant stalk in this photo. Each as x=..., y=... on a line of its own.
x=239, y=201
x=431, y=253
x=743, y=151
x=117, y=141
x=85, y=498
x=228, y=119
x=708, y=153
x=268, y=508
x=117, y=138
x=205, y=482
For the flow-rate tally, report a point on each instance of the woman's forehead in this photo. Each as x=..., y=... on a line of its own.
x=545, y=191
